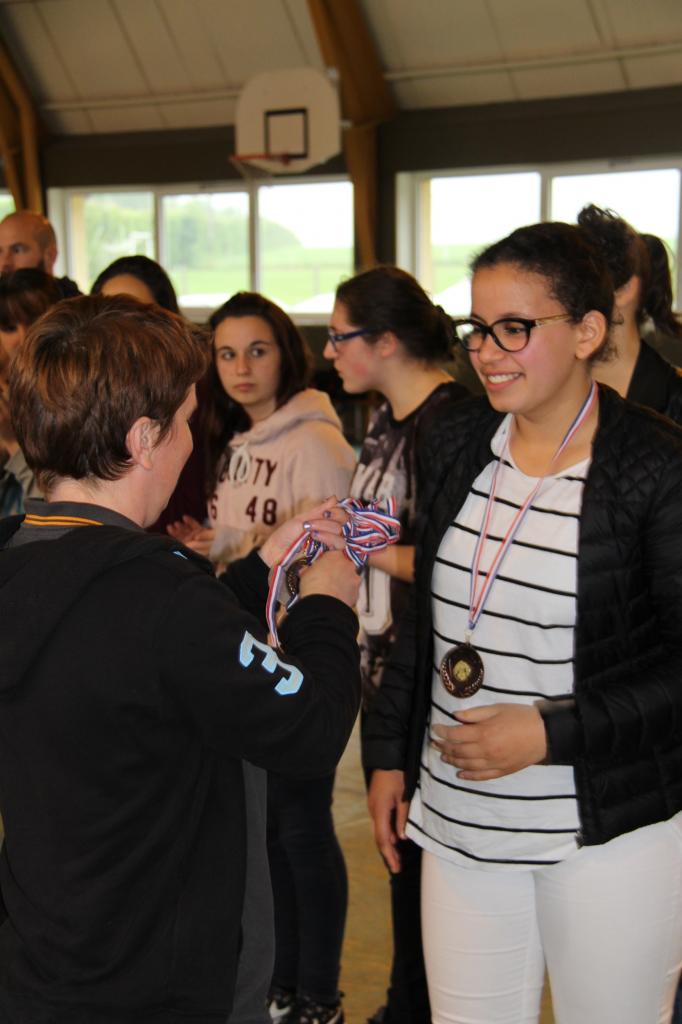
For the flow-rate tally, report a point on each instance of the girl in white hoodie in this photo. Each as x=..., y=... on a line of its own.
x=274, y=448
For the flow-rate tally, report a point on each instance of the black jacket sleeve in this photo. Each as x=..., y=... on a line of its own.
x=639, y=710
x=386, y=729
x=287, y=712
x=247, y=580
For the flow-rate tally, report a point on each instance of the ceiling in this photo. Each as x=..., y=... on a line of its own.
x=97, y=66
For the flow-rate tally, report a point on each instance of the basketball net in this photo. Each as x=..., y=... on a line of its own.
x=250, y=171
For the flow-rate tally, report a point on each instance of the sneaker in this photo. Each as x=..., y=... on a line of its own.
x=306, y=1011
x=280, y=1003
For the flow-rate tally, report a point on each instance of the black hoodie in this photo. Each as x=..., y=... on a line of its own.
x=131, y=686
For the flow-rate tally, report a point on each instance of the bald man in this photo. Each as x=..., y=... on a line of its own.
x=27, y=239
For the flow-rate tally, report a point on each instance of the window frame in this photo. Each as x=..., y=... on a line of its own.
x=412, y=207
x=59, y=204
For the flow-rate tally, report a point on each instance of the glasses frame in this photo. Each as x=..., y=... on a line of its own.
x=486, y=329
x=336, y=337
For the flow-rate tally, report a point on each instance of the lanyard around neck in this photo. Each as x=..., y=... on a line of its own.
x=479, y=596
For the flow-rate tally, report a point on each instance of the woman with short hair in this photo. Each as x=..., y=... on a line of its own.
x=274, y=446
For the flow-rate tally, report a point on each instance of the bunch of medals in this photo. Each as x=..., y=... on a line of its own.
x=369, y=527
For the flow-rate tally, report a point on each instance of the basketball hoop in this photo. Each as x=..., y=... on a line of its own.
x=253, y=166
x=286, y=123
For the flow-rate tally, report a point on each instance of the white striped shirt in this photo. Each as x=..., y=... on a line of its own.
x=525, y=638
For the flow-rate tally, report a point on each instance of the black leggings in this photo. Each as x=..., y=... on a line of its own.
x=408, y=995
x=310, y=886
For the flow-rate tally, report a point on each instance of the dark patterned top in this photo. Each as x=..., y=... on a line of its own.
x=388, y=466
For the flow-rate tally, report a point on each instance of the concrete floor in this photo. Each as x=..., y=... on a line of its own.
x=367, y=947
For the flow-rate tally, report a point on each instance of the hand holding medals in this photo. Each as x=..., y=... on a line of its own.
x=366, y=528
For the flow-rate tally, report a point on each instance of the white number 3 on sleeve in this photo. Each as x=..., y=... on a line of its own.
x=290, y=682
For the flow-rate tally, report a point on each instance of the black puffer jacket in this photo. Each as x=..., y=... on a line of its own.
x=656, y=384
x=622, y=731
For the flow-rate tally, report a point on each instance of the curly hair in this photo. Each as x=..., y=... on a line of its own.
x=561, y=253
x=630, y=254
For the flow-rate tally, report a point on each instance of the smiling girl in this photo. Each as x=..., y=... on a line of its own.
x=532, y=711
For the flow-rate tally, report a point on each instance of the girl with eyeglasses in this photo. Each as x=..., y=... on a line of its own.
x=275, y=448
x=528, y=731
x=386, y=335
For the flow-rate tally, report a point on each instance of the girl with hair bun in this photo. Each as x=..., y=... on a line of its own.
x=386, y=335
x=528, y=730
x=640, y=271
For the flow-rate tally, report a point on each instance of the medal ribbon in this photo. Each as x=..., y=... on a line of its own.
x=370, y=527
x=478, y=600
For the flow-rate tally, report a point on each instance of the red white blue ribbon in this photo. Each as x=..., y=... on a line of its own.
x=369, y=527
x=478, y=597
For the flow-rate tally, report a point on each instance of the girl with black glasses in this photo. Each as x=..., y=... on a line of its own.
x=528, y=731
x=386, y=335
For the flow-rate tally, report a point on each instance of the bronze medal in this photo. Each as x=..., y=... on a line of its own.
x=461, y=671
x=292, y=575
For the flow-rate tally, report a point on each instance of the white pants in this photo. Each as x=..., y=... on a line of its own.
x=607, y=922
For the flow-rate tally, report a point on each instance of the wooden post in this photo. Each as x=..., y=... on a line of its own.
x=347, y=45
x=19, y=122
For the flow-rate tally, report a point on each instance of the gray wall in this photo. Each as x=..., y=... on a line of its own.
x=647, y=122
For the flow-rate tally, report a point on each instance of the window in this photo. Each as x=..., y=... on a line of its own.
x=104, y=226
x=649, y=200
x=205, y=246
x=293, y=241
x=306, y=243
x=467, y=213
x=6, y=204
x=443, y=219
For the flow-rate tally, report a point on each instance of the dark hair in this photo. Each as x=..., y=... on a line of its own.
x=561, y=253
x=86, y=371
x=25, y=295
x=629, y=254
x=149, y=272
x=386, y=298
x=656, y=296
x=220, y=417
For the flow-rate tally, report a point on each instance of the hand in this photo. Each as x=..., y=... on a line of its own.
x=185, y=529
x=388, y=811
x=333, y=574
x=492, y=741
x=193, y=535
x=325, y=522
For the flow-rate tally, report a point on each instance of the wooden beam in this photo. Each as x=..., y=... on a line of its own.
x=360, y=149
x=10, y=148
x=19, y=96
x=366, y=100
x=347, y=44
